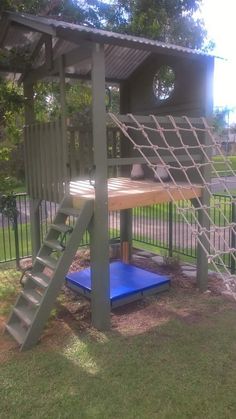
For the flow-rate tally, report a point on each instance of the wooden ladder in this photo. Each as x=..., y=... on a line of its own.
x=43, y=283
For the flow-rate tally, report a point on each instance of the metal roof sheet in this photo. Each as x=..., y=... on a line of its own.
x=55, y=27
x=123, y=53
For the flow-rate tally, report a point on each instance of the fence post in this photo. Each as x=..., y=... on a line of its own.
x=233, y=241
x=170, y=231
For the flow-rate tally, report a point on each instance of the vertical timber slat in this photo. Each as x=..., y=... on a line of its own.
x=48, y=162
x=33, y=140
x=27, y=160
x=57, y=153
x=37, y=163
x=42, y=162
x=60, y=160
x=53, y=160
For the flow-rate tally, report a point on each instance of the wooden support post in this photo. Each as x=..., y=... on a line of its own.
x=125, y=150
x=34, y=203
x=35, y=226
x=65, y=168
x=99, y=226
x=202, y=262
x=126, y=235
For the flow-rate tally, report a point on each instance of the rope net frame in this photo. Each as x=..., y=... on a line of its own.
x=203, y=140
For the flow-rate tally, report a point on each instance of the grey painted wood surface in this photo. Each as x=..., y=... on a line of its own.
x=99, y=227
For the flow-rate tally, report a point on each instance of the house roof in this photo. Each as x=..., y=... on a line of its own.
x=123, y=53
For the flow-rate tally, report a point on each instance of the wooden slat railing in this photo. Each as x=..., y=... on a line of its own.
x=45, y=162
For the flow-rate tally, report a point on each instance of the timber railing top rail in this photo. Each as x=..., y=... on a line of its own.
x=147, y=119
x=126, y=161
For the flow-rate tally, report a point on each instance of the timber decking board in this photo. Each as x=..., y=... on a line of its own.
x=124, y=193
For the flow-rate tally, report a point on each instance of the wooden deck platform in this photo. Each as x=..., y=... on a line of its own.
x=124, y=193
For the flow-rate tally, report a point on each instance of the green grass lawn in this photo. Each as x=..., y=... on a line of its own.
x=220, y=209
x=220, y=165
x=20, y=188
x=7, y=242
x=182, y=367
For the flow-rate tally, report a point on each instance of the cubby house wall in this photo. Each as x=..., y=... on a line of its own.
x=191, y=93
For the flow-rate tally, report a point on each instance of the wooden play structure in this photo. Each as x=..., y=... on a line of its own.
x=68, y=51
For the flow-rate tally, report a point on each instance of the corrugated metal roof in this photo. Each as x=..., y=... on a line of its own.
x=121, y=61
x=123, y=53
x=55, y=27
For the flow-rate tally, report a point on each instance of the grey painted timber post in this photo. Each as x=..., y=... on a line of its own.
x=204, y=222
x=99, y=225
x=126, y=217
x=34, y=201
x=202, y=261
x=203, y=218
x=66, y=169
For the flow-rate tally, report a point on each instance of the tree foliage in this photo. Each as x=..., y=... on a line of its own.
x=166, y=20
x=11, y=121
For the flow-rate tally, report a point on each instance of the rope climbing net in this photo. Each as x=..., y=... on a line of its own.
x=183, y=147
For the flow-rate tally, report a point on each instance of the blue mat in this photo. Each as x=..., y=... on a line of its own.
x=125, y=280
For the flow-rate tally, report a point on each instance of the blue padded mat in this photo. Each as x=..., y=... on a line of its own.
x=125, y=280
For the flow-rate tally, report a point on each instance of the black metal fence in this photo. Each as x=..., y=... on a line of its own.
x=158, y=226
x=162, y=226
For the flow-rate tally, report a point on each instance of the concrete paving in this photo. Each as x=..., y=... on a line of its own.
x=227, y=182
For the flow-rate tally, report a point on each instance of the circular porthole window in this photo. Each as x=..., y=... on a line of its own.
x=164, y=83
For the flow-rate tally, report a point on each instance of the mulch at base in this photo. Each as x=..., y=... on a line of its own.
x=142, y=315
x=73, y=316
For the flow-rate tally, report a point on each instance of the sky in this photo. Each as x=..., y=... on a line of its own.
x=219, y=17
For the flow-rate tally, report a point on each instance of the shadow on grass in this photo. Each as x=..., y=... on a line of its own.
x=174, y=370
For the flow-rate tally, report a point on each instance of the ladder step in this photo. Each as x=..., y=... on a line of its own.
x=24, y=314
x=63, y=228
x=54, y=244
x=33, y=306
x=32, y=296
x=74, y=212
x=17, y=332
x=47, y=261
x=39, y=278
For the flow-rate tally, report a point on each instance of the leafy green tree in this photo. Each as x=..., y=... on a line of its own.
x=166, y=20
x=80, y=12
x=221, y=118
x=11, y=121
